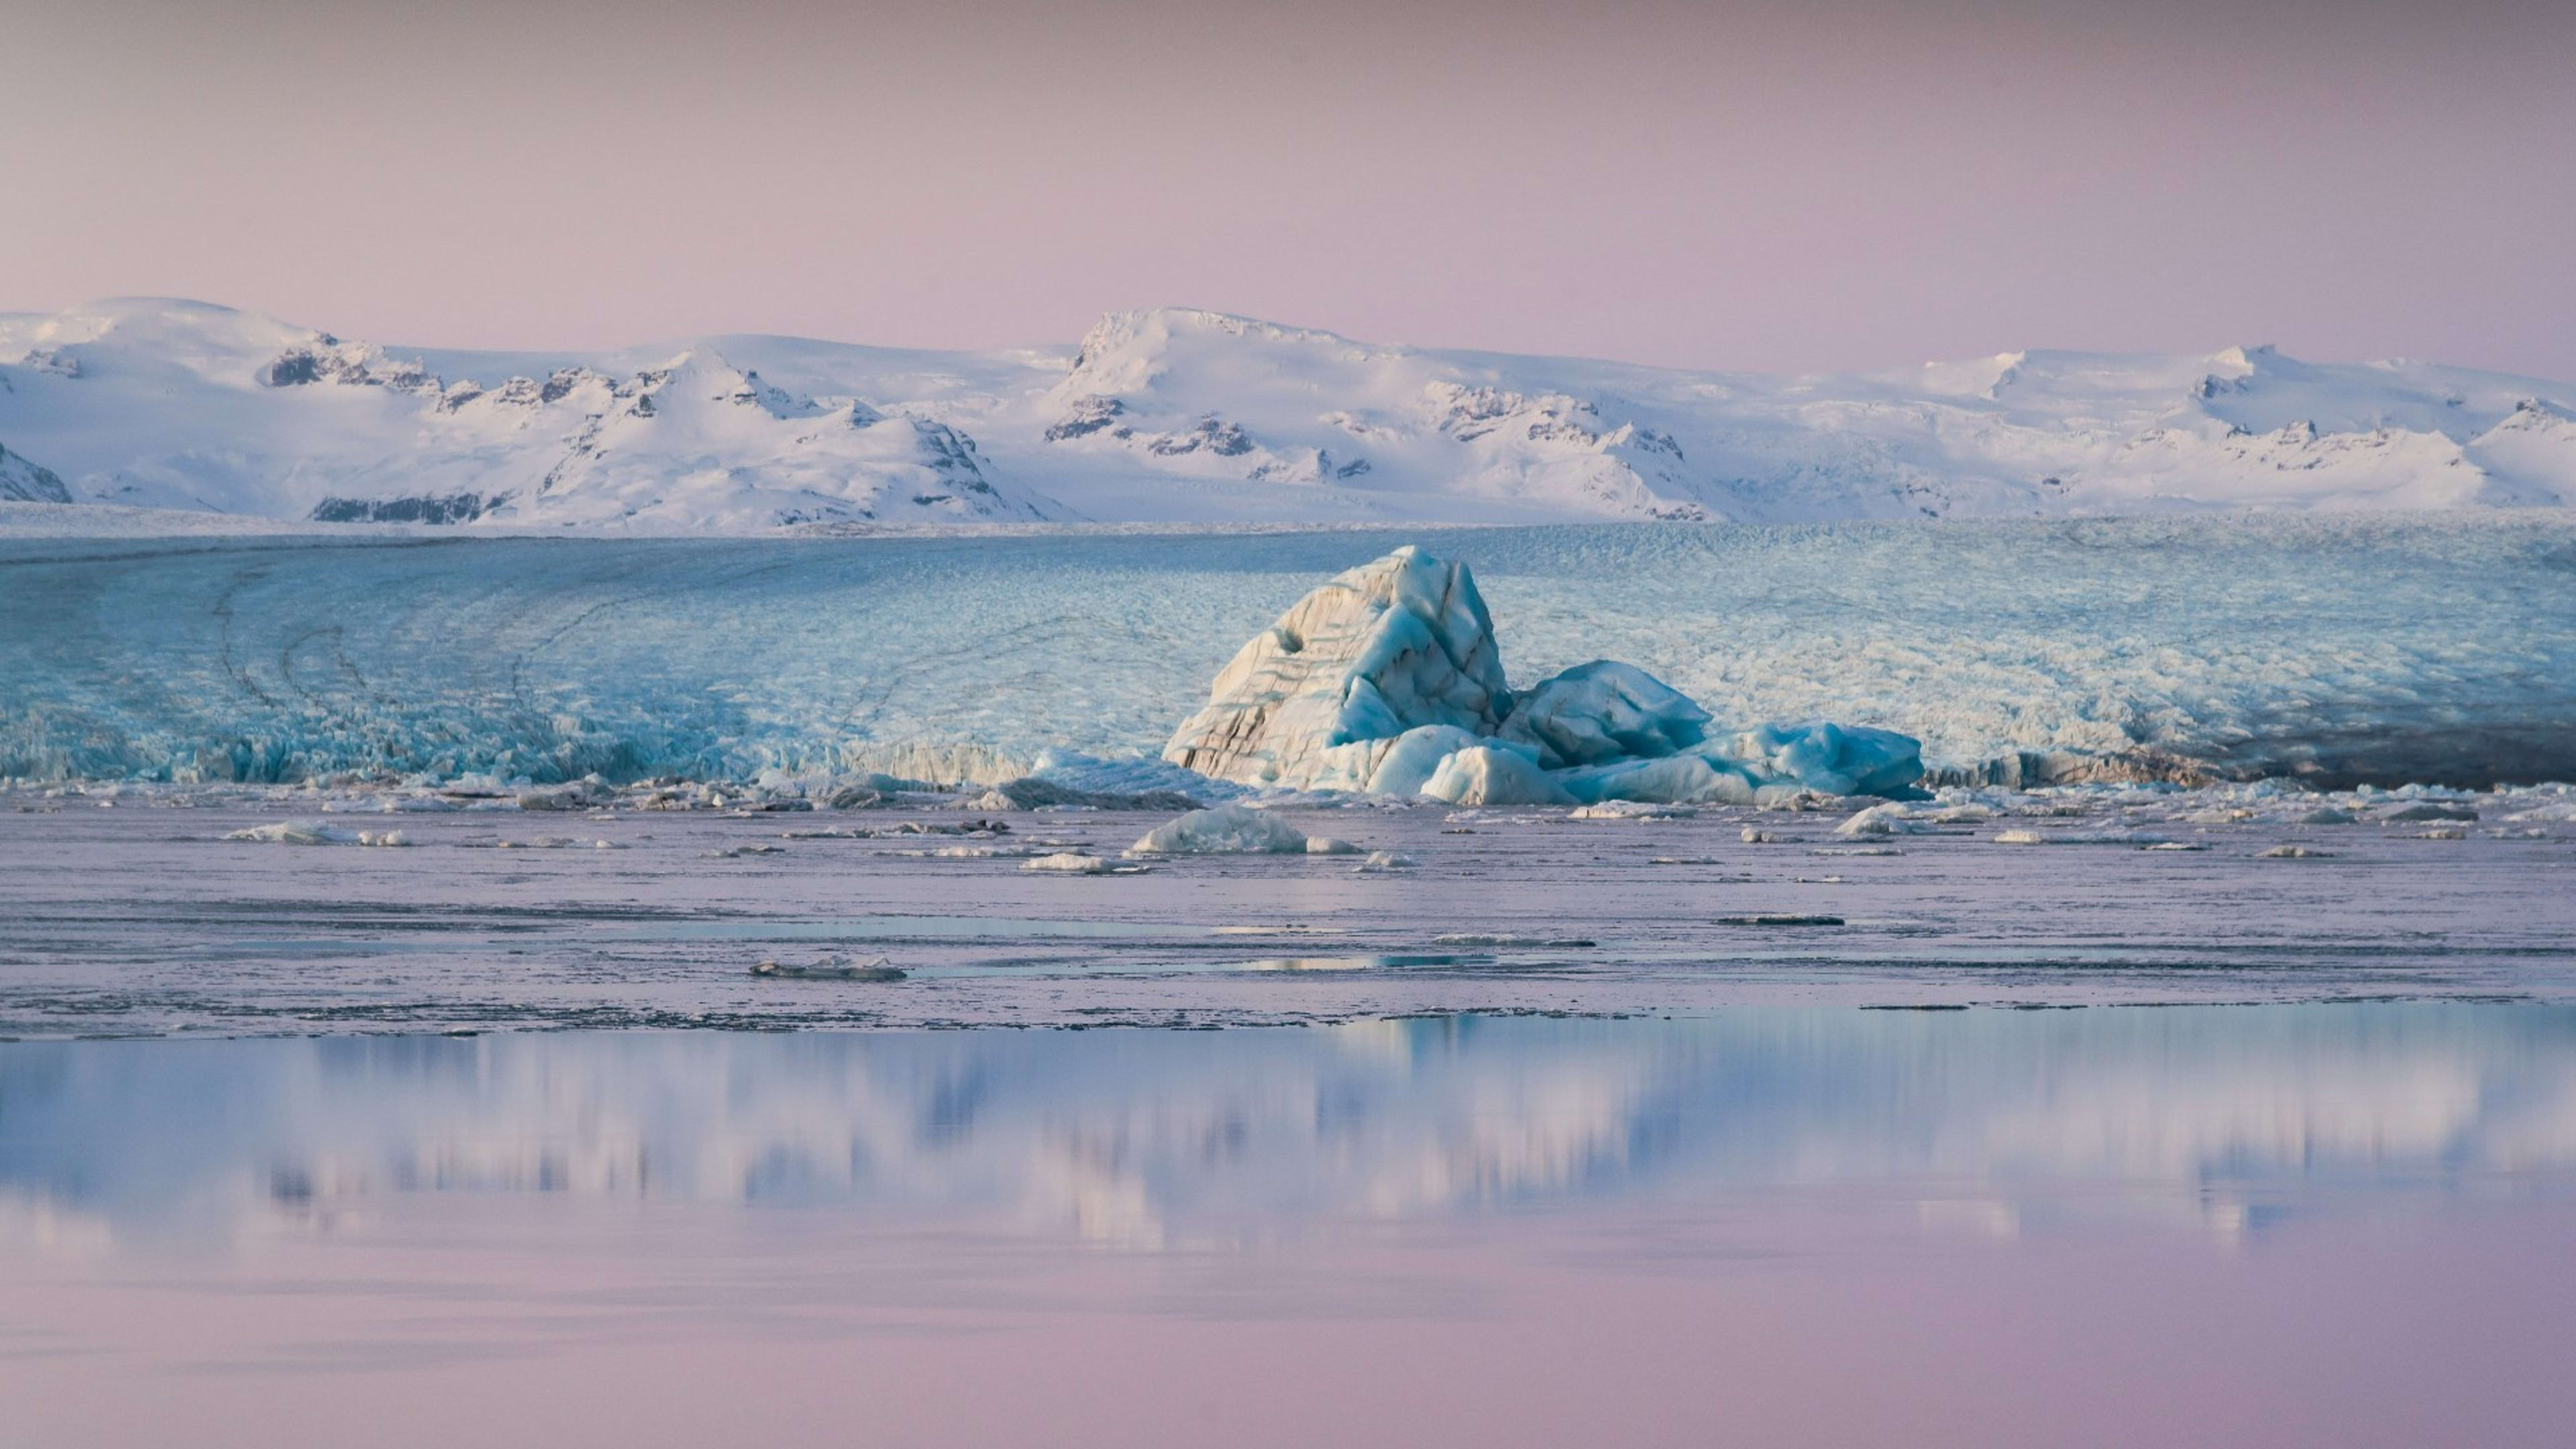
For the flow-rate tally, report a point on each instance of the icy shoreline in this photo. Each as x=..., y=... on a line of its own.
x=2371, y=648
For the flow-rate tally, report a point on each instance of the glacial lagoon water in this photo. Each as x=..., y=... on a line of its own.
x=2333, y=1223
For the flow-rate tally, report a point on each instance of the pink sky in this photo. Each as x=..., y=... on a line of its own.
x=1765, y=186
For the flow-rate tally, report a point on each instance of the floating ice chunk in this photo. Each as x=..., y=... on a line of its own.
x=581, y=794
x=1068, y=862
x=1876, y=820
x=1228, y=829
x=1033, y=792
x=1602, y=712
x=1839, y=759
x=2020, y=837
x=2428, y=810
x=1494, y=775
x=1633, y=810
x=2325, y=815
x=875, y=968
x=314, y=832
x=1386, y=647
x=1380, y=862
x=1329, y=845
x=2292, y=852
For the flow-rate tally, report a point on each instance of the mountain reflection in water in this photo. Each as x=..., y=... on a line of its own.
x=2218, y=1116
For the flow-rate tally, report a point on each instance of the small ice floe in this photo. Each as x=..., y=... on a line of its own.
x=982, y=852
x=2175, y=845
x=583, y=794
x=1632, y=810
x=1074, y=862
x=1778, y=919
x=2293, y=852
x=1234, y=829
x=2426, y=810
x=1030, y=792
x=2325, y=815
x=1876, y=820
x=1754, y=835
x=314, y=832
x=1476, y=938
x=1380, y=862
x=2442, y=832
x=943, y=827
x=830, y=968
x=1361, y=963
x=732, y=852
x=2077, y=837
x=1291, y=928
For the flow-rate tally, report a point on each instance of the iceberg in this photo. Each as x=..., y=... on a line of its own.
x=1382, y=649
x=1388, y=680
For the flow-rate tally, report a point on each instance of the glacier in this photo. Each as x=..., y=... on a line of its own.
x=1388, y=679
x=1182, y=415
x=2338, y=649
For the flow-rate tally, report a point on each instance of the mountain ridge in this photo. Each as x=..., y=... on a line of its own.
x=1194, y=415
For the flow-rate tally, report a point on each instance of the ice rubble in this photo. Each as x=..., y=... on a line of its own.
x=1388, y=679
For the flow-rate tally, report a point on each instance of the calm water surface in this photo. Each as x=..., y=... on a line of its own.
x=2286, y=1224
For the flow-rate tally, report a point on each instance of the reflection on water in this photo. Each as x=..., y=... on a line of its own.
x=2223, y=1117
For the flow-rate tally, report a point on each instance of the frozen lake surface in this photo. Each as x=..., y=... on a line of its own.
x=2383, y=647
x=2325, y=1224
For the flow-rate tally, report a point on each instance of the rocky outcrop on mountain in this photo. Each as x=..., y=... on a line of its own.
x=22, y=481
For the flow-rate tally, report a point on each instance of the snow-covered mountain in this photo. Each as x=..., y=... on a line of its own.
x=1171, y=415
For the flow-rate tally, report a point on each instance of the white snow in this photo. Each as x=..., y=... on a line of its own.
x=1174, y=414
